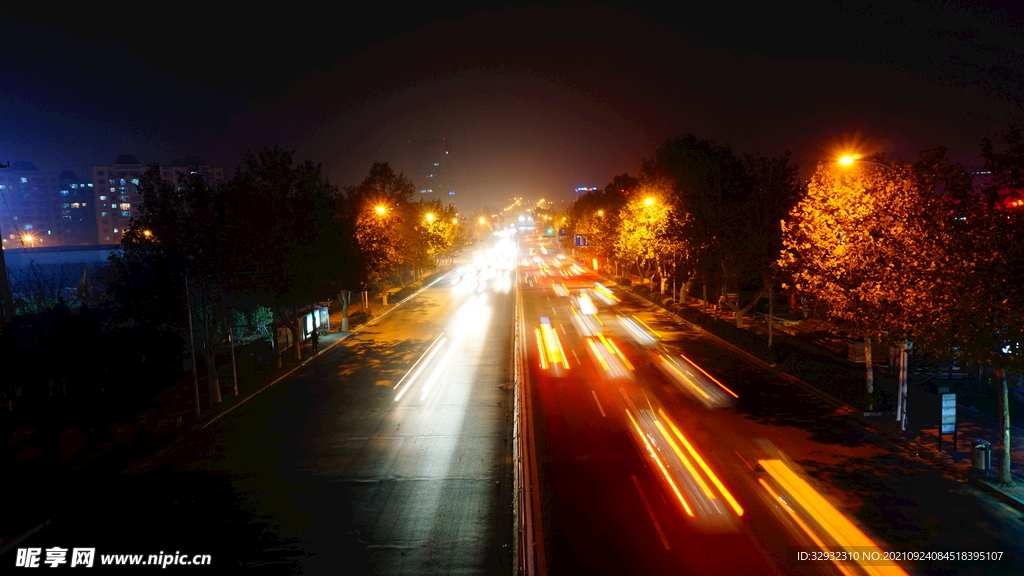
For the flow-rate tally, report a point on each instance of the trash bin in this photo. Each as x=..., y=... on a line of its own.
x=981, y=455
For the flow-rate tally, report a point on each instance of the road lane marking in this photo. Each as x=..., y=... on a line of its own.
x=599, y=404
x=577, y=356
x=650, y=512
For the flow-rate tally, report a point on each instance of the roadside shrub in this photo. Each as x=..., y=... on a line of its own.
x=358, y=318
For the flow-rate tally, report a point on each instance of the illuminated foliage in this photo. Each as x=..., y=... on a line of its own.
x=643, y=228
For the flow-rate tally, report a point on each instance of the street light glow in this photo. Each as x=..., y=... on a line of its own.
x=649, y=201
x=381, y=210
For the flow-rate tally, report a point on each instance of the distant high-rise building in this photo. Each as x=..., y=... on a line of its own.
x=29, y=207
x=429, y=164
x=118, y=197
x=77, y=218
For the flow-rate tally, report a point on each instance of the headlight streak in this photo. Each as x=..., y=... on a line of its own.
x=840, y=530
x=605, y=295
x=424, y=360
x=638, y=334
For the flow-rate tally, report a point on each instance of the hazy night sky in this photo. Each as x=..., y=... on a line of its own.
x=535, y=99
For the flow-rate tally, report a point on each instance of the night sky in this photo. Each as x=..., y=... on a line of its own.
x=535, y=99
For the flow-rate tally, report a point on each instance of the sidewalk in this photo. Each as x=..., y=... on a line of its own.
x=923, y=405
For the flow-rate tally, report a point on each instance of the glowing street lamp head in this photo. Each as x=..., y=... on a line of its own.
x=482, y=220
x=649, y=201
x=849, y=159
x=381, y=210
x=430, y=216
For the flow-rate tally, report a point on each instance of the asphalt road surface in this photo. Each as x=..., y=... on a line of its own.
x=609, y=506
x=388, y=454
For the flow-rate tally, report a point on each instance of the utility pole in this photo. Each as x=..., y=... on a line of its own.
x=6, y=301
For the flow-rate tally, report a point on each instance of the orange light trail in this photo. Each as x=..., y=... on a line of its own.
x=838, y=526
x=646, y=326
x=803, y=526
x=664, y=471
x=686, y=462
x=713, y=379
x=685, y=379
x=703, y=465
x=542, y=350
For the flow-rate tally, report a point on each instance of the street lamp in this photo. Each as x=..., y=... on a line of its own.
x=430, y=216
x=381, y=209
x=849, y=159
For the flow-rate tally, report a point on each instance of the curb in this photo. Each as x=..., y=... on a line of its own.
x=847, y=410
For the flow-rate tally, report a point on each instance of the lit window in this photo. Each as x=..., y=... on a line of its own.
x=126, y=214
x=102, y=198
x=104, y=214
x=27, y=227
x=76, y=205
x=113, y=206
x=24, y=180
x=135, y=181
x=90, y=185
x=65, y=205
x=63, y=192
x=74, y=186
x=111, y=181
x=125, y=206
x=111, y=190
x=2, y=186
x=116, y=231
x=124, y=198
x=123, y=183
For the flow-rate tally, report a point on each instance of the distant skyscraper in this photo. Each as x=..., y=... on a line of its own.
x=429, y=164
x=28, y=206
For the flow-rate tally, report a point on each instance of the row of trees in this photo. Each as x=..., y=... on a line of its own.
x=697, y=215
x=279, y=235
x=887, y=251
x=916, y=253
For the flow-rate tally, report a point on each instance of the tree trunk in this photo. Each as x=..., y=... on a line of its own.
x=771, y=313
x=869, y=365
x=231, y=344
x=901, y=396
x=345, y=298
x=1005, y=476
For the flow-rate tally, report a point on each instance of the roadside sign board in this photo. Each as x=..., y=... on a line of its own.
x=948, y=424
x=581, y=240
x=562, y=232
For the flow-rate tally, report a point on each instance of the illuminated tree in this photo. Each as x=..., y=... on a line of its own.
x=866, y=245
x=643, y=238
x=380, y=209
